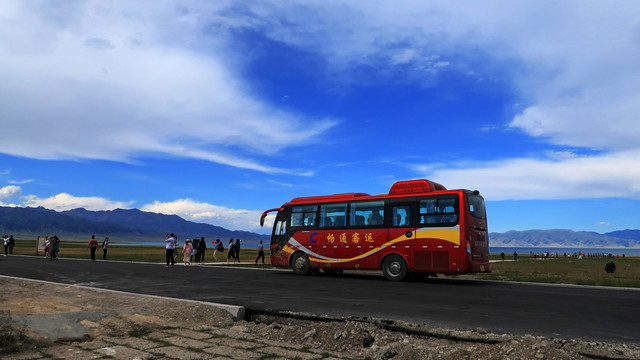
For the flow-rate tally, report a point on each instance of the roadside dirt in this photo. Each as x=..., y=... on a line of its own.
x=111, y=318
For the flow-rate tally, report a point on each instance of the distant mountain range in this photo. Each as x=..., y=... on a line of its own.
x=566, y=238
x=125, y=225
x=133, y=225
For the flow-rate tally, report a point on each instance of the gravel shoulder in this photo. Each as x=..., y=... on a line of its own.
x=44, y=320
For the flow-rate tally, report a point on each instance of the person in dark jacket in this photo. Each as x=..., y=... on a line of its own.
x=194, y=252
x=12, y=243
x=202, y=248
x=237, y=252
x=105, y=244
x=232, y=249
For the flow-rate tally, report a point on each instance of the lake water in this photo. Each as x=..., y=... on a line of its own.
x=538, y=250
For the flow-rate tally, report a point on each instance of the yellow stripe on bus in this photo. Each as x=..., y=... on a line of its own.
x=451, y=235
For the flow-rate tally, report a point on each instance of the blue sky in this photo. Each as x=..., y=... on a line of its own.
x=217, y=111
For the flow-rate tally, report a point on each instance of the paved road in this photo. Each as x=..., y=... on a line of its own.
x=585, y=313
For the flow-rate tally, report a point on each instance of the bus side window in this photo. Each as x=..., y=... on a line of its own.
x=366, y=213
x=303, y=216
x=401, y=215
x=438, y=211
x=334, y=215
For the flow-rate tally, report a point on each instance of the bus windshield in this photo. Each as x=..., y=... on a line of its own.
x=476, y=206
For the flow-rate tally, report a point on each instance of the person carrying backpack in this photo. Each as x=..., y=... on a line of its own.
x=217, y=248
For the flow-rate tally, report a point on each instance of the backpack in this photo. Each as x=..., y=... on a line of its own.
x=220, y=247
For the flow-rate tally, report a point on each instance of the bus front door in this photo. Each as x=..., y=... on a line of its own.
x=402, y=230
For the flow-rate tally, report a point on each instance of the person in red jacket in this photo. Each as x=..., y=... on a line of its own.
x=93, y=245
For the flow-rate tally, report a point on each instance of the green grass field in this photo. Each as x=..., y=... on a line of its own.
x=140, y=253
x=587, y=271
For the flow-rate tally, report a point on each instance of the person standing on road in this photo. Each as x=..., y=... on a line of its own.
x=194, y=252
x=12, y=243
x=93, y=245
x=47, y=247
x=202, y=248
x=54, y=247
x=6, y=244
x=237, y=252
x=232, y=249
x=170, y=246
x=105, y=243
x=217, y=247
x=186, y=252
x=260, y=252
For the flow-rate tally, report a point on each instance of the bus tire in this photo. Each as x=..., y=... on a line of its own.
x=394, y=267
x=300, y=263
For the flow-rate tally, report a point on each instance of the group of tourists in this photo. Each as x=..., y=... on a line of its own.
x=194, y=250
x=51, y=247
x=234, y=251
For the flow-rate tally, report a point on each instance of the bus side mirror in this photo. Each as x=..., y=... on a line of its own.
x=262, y=219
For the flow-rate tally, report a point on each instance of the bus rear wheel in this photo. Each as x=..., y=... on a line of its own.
x=394, y=267
x=300, y=264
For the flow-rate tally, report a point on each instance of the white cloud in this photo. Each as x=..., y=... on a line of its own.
x=234, y=219
x=81, y=80
x=406, y=56
x=577, y=77
x=578, y=73
x=65, y=201
x=21, y=182
x=85, y=81
x=10, y=191
x=609, y=175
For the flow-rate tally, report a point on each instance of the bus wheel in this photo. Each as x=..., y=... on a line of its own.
x=394, y=267
x=300, y=264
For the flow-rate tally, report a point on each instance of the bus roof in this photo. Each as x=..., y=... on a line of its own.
x=399, y=188
x=347, y=196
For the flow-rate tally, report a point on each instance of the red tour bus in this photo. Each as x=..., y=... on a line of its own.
x=418, y=228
